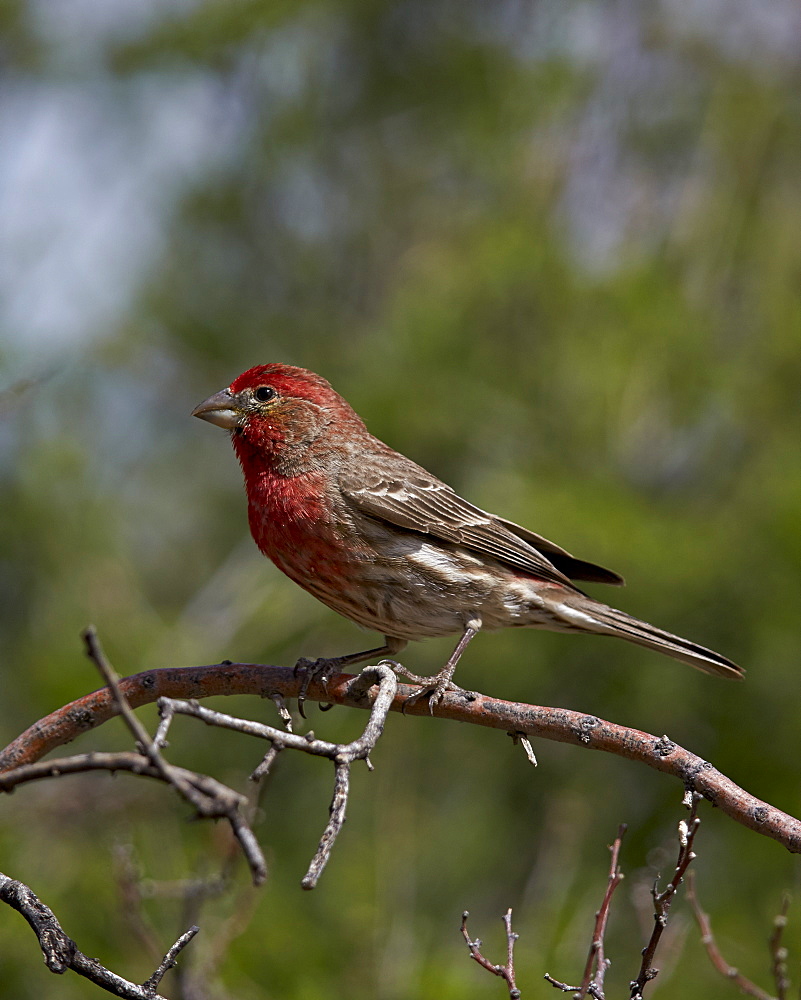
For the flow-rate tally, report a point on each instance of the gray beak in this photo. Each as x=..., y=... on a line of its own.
x=220, y=409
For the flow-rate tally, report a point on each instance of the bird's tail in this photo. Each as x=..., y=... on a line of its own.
x=592, y=616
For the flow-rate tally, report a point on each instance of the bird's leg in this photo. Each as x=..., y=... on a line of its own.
x=435, y=686
x=325, y=667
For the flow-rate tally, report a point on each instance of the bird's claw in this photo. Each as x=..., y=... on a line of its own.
x=433, y=689
x=397, y=667
x=313, y=670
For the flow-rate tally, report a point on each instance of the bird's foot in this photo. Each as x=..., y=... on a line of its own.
x=320, y=670
x=432, y=688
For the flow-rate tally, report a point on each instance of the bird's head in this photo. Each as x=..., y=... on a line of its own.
x=276, y=410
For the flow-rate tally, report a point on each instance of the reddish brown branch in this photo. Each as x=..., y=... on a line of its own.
x=210, y=798
x=593, y=985
x=662, y=900
x=507, y=971
x=595, y=957
x=558, y=724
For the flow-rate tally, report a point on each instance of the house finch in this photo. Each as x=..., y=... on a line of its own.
x=383, y=542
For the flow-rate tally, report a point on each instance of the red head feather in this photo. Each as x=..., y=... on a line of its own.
x=288, y=381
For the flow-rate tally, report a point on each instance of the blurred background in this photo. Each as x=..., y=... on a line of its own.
x=549, y=250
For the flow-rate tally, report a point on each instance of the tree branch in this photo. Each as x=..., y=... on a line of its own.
x=342, y=754
x=662, y=900
x=507, y=971
x=61, y=953
x=596, y=958
x=557, y=724
x=209, y=797
x=593, y=985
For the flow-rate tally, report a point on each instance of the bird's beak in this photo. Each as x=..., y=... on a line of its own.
x=220, y=409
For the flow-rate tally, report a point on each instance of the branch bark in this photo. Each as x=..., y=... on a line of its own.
x=561, y=725
x=61, y=953
x=507, y=971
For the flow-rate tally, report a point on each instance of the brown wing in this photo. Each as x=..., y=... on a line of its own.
x=416, y=500
x=576, y=569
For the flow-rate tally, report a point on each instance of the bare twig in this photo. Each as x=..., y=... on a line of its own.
x=593, y=985
x=170, y=960
x=336, y=820
x=342, y=754
x=778, y=953
x=662, y=900
x=61, y=953
x=596, y=957
x=210, y=798
x=95, y=653
x=266, y=764
x=507, y=971
x=708, y=940
x=283, y=711
x=215, y=800
x=525, y=743
x=557, y=724
x=592, y=989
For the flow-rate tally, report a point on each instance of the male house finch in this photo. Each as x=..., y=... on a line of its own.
x=383, y=542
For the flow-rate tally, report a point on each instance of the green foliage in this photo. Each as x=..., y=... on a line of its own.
x=552, y=255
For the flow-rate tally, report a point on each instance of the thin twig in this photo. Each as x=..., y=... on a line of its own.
x=593, y=985
x=95, y=653
x=263, y=769
x=61, y=953
x=210, y=799
x=170, y=960
x=339, y=804
x=507, y=971
x=662, y=900
x=592, y=989
x=342, y=754
x=596, y=955
x=708, y=940
x=525, y=743
x=561, y=725
x=193, y=894
x=215, y=800
x=778, y=953
x=145, y=745
x=283, y=711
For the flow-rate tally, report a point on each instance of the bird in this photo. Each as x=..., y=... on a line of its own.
x=384, y=542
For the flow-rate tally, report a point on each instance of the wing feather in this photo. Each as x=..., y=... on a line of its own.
x=417, y=501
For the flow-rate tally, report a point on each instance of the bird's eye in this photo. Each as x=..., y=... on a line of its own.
x=264, y=393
